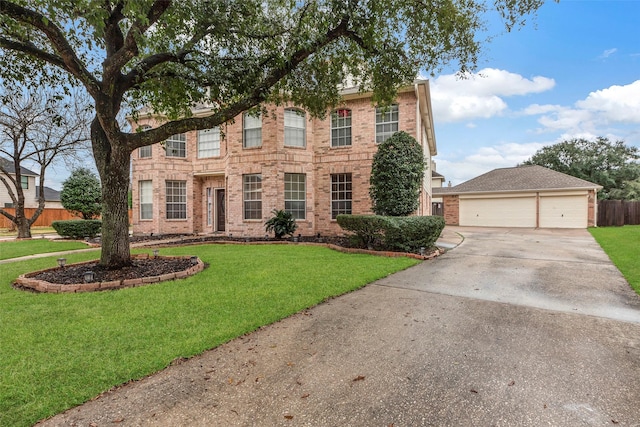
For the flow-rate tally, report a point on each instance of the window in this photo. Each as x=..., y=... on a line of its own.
x=252, y=195
x=252, y=136
x=176, y=199
x=144, y=152
x=146, y=199
x=24, y=182
x=294, y=128
x=341, y=128
x=209, y=143
x=340, y=194
x=176, y=145
x=295, y=194
x=209, y=206
x=386, y=123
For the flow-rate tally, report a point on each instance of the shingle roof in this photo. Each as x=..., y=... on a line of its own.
x=10, y=168
x=50, y=194
x=519, y=178
x=435, y=174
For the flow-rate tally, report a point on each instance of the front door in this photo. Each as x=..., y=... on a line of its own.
x=220, y=210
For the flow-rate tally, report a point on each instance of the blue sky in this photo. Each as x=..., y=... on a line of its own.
x=573, y=72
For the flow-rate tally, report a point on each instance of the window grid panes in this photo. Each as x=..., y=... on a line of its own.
x=144, y=152
x=341, y=194
x=146, y=200
x=252, y=136
x=294, y=128
x=176, y=145
x=24, y=182
x=295, y=194
x=209, y=143
x=341, y=128
x=252, y=196
x=176, y=199
x=386, y=122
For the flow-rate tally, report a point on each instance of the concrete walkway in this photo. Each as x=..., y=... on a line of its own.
x=455, y=341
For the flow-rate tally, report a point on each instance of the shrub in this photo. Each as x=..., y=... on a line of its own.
x=402, y=234
x=281, y=224
x=397, y=173
x=78, y=228
x=81, y=193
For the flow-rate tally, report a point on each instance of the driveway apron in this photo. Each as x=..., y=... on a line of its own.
x=511, y=328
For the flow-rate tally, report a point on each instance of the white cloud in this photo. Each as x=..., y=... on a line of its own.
x=460, y=169
x=616, y=103
x=480, y=95
x=607, y=53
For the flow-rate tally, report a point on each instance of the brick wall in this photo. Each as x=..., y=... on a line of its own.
x=451, y=210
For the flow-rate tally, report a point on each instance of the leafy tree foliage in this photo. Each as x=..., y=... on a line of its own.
x=613, y=165
x=396, y=175
x=229, y=55
x=81, y=193
x=281, y=224
x=38, y=128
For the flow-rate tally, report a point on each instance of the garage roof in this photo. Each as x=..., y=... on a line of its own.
x=519, y=178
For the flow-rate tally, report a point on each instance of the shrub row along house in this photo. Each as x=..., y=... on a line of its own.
x=228, y=180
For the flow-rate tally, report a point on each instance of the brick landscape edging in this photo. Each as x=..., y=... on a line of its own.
x=27, y=281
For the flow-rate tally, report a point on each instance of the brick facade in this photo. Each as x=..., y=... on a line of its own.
x=451, y=210
x=318, y=160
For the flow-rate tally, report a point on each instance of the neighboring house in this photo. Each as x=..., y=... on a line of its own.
x=523, y=196
x=51, y=198
x=28, y=183
x=229, y=179
x=437, y=180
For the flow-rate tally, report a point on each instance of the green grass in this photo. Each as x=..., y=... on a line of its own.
x=622, y=244
x=18, y=248
x=4, y=232
x=58, y=351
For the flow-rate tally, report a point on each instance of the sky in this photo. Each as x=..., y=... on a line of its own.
x=571, y=72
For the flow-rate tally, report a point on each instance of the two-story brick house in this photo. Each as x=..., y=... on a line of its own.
x=229, y=179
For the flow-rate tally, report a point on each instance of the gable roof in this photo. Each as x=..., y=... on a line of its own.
x=10, y=168
x=50, y=194
x=519, y=178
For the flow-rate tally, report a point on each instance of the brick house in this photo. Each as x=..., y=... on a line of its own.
x=228, y=180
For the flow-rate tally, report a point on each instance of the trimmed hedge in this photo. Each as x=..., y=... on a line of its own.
x=78, y=228
x=401, y=234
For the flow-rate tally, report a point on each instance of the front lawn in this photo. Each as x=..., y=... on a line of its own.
x=18, y=248
x=59, y=350
x=622, y=244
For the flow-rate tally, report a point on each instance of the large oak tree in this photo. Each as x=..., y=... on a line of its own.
x=231, y=55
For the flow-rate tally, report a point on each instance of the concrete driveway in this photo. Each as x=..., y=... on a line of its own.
x=512, y=328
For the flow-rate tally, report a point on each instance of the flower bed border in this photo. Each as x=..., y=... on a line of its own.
x=27, y=280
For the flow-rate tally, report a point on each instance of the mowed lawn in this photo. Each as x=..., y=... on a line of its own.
x=60, y=350
x=20, y=248
x=622, y=244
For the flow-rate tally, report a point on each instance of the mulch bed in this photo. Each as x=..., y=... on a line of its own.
x=140, y=268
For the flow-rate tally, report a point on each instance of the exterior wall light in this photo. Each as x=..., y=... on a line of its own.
x=88, y=276
x=62, y=262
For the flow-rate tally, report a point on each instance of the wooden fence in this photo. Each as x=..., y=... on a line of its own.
x=45, y=219
x=618, y=213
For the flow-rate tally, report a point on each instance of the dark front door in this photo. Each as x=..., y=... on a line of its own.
x=220, y=210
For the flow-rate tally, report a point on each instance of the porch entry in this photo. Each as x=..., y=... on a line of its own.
x=220, y=210
x=216, y=218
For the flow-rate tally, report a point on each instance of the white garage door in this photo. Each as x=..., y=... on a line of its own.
x=498, y=212
x=563, y=211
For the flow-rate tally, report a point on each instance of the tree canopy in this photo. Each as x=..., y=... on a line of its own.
x=81, y=193
x=230, y=56
x=614, y=165
x=396, y=176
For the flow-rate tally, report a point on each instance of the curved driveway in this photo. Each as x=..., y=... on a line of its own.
x=512, y=328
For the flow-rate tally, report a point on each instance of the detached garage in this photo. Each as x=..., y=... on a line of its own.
x=523, y=196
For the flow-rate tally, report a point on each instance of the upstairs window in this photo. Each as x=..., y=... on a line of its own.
x=176, y=145
x=341, y=127
x=252, y=196
x=209, y=143
x=386, y=122
x=294, y=128
x=252, y=131
x=144, y=152
x=24, y=182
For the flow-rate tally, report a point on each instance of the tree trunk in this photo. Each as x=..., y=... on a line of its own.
x=113, y=167
x=22, y=224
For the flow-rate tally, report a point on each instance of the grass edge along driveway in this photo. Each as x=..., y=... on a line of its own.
x=622, y=245
x=60, y=350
